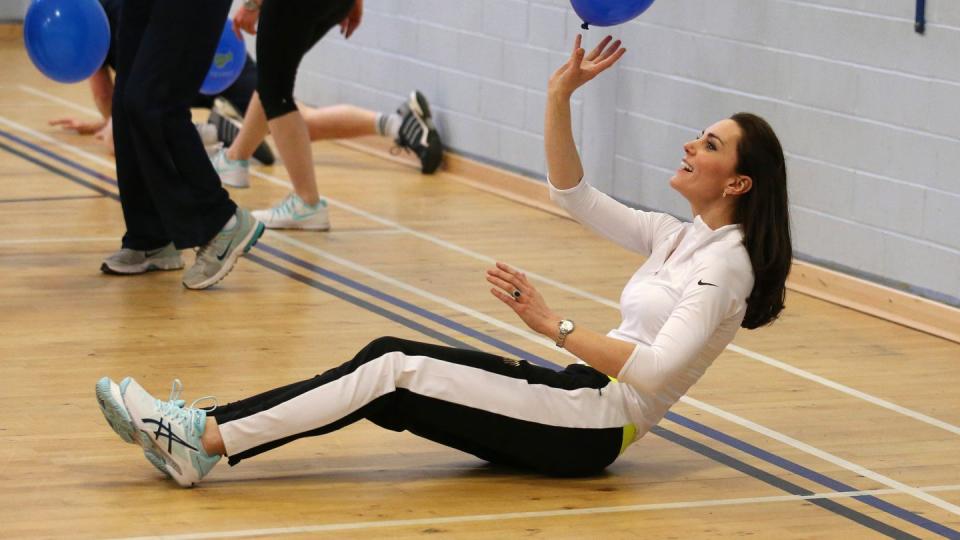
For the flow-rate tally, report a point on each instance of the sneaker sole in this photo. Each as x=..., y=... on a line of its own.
x=156, y=460
x=154, y=455
x=139, y=268
x=430, y=161
x=248, y=242
x=111, y=405
x=321, y=228
x=433, y=157
x=264, y=154
x=244, y=184
x=418, y=102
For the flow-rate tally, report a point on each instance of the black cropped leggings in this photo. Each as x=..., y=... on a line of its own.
x=287, y=30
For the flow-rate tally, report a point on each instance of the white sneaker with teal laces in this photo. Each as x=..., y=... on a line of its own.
x=233, y=172
x=169, y=432
x=110, y=400
x=293, y=213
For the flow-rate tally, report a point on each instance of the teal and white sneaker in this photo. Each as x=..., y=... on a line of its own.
x=208, y=134
x=293, y=213
x=233, y=172
x=110, y=399
x=170, y=433
x=217, y=258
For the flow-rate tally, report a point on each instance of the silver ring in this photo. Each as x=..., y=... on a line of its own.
x=516, y=294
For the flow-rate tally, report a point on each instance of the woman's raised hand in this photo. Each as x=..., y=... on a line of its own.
x=582, y=67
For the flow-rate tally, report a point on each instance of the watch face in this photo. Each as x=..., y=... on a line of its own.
x=566, y=326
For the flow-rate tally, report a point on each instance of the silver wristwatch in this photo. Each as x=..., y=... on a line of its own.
x=251, y=5
x=566, y=328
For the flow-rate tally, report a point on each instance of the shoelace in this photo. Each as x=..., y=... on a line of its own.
x=285, y=207
x=201, y=250
x=409, y=134
x=175, y=410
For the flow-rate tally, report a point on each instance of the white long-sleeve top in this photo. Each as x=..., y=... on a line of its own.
x=680, y=308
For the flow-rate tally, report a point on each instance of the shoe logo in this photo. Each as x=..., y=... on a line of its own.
x=163, y=430
x=701, y=282
x=153, y=252
x=225, y=251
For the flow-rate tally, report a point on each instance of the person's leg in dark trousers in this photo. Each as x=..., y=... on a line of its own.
x=168, y=187
x=509, y=412
x=145, y=229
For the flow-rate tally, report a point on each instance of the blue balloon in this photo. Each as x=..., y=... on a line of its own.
x=609, y=12
x=66, y=39
x=227, y=62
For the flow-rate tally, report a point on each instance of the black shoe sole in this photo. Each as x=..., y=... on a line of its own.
x=433, y=155
x=227, y=132
x=264, y=154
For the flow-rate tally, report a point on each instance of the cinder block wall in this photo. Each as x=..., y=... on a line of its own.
x=868, y=110
x=13, y=10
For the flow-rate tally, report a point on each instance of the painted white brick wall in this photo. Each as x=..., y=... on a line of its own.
x=13, y=10
x=868, y=111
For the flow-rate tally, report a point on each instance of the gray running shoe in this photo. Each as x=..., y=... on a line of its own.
x=216, y=259
x=128, y=262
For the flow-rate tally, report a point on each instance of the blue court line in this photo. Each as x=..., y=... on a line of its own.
x=56, y=157
x=453, y=325
x=346, y=297
x=57, y=170
x=812, y=475
x=49, y=199
x=745, y=447
x=780, y=483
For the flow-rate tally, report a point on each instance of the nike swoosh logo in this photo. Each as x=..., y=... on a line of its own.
x=151, y=253
x=701, y=282
x=225, y=251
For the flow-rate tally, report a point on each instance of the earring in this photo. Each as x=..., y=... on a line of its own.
x=724, y=196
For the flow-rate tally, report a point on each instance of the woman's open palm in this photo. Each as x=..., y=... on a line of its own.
x=581, y=67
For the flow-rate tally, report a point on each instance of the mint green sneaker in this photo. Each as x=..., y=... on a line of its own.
x=293, y=213
x=169, y=433
x=233, y=172
x=110, y=399
x=216, y=259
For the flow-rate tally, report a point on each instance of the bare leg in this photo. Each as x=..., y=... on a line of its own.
x=336, y=122
x=211, y=439
x=252, y=133
x=339, y=122
x=293, y=142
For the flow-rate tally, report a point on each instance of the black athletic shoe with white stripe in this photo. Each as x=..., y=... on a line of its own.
x=227, y=131
x=417, y=132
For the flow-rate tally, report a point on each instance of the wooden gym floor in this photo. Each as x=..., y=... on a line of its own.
x=830, y=423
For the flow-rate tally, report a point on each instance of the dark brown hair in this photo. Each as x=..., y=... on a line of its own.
x=763, y=213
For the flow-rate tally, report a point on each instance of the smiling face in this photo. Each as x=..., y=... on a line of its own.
x=709, y=164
